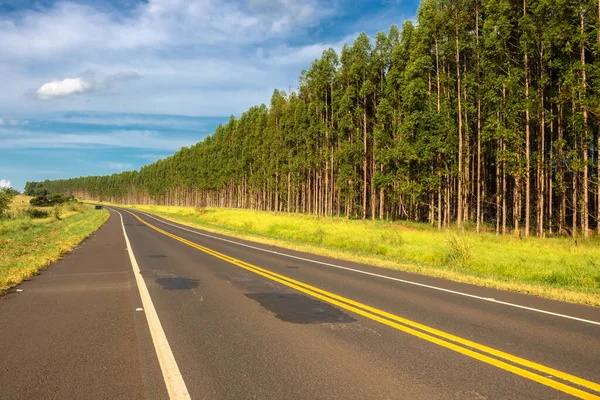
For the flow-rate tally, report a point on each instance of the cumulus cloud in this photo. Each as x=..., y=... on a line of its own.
x=62, y=88
x=70, y=86
x=5, y=183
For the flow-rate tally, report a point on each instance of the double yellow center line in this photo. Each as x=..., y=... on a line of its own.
x=551, y=377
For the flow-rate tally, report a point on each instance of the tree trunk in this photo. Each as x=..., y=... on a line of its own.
x=584, y=147
x=365, y=163
x=541, y=156
x=460, y=133
x=527, y=139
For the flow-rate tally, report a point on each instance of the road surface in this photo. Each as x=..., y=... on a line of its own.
x=167, y=311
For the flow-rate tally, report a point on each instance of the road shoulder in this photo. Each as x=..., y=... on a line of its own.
x=73, y=332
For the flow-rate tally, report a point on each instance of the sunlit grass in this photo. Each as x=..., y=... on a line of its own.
x=28, y=245
x=559, y=268
x=20, y=202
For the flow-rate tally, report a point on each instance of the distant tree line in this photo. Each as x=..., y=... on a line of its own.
x=485, y=113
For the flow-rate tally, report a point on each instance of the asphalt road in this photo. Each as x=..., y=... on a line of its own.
x=210, y=317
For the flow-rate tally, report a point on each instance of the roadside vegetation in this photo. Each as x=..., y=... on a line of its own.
x=560, y=268
x=33, y=237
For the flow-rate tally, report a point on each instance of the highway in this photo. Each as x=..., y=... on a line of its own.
x=147, y=308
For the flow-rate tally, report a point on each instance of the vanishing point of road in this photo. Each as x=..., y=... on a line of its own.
x=147, y=308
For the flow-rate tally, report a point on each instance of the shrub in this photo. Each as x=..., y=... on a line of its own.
x=319, y=235
x=36, y=213
x=39, y=201
x=5, y=200
x=460, y=251
x=200, y=210
x=75, y=206
x=26, y=225
x=57, y=212
x=49, y=200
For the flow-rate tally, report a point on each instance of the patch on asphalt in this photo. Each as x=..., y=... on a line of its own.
x=177, y=283
x=300, y=309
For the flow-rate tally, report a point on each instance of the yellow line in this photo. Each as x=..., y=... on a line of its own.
x=377, y=315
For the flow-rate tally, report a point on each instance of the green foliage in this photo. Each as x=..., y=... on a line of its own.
x=6, y=196
x=459, y=254
x=33, y=213
x=49, y=200
x=10, y=191
x=4, y=204
x=57, y=212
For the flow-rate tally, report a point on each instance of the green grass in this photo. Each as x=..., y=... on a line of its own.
x=557, y=268
x=28, y=245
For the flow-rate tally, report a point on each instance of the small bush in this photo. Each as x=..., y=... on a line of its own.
x=201, y=210
x=26, y=225
x=57, y=212
x=5, y=200
x=74, y=206
x=248, y=226
x=36, y=213
x=319, y=235
x=392, y=238
x=460, y=251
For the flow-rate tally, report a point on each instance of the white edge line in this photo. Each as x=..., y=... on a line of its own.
x=171, y=374
x=491, y=300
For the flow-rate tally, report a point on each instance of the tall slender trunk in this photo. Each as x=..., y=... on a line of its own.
x=460, y=133
x=527, y=144
x=584, y=147
x=541, y=151
x=598, y=146
x=549, y=175
x=479, y=180
x=439, y=107
x=498, y=186
x=504, y=210
x=561, y=173
x=574, y=219
x=365, y=163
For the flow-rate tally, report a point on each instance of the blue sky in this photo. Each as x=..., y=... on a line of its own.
x=95, y=87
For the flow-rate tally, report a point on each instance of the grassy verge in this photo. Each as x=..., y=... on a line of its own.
x=558, y=268
x=28, y=245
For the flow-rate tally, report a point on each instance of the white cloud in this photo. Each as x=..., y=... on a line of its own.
x=63, y=88
x=69, y=27
x=80, y=85
x=142, y=139
x=118, y=165
x=5, y=183
x=198, y=57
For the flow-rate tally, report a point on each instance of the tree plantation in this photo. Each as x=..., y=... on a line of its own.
x=485, y=113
